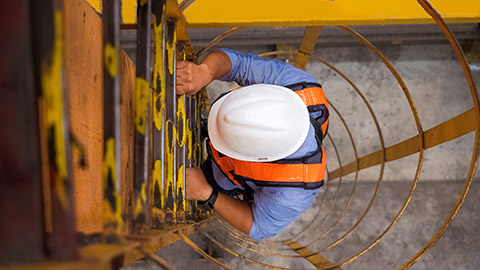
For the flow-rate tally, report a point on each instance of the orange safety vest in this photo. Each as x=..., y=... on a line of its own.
x=307, y=172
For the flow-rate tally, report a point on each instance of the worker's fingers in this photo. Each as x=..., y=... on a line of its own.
x=185, y=85
x=191, y=77
x=182, y=64
x=184, y=75
x=184, y=90
x=188, y=78
x=184, y=79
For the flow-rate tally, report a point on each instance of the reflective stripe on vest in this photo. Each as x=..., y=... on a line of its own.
x=307, y=172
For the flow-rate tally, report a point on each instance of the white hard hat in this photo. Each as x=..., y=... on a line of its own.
x=259, y=122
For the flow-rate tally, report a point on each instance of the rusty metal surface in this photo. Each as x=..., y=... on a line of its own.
x=111, y=154
x=20, y=163
x=43, y=85
x=47, y=21
x=158, y=107
x=143, y=96
x=170, y=121
x=183, y=210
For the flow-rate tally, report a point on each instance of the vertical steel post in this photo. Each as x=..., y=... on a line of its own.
x=193, y=144
x=181, y=147
x=47, y=29
x=21, y=218
x=158, y=105
x=185, y=149
x=195, y=127
x=113, y=221
x=170, y=122
x=190, y=205
x=189, y=132
x=143, y=96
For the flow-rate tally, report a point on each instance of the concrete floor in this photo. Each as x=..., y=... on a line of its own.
x=431, y=203
x=440, y=92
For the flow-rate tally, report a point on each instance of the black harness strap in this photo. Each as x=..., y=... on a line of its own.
x=318, y=130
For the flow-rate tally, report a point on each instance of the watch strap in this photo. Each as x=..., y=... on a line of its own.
x=212, y=199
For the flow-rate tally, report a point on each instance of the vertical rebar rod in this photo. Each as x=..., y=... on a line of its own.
x=47, y=29
x=170, y=121
x=189, y=157
x=113, y=221
x=143, y=95
x=189, y=148
x=158, y=105
x=189, y=140
x=181, y=125
x=196, y=143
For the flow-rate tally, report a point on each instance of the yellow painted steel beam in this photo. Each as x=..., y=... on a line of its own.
x=129, y=9
x=314, y=258
x=96, y=4
x=251, y=13
x=309, y=40
x=173, y=11
x=448, y=130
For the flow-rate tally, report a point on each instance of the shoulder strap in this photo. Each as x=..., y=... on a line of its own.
x=318, y=130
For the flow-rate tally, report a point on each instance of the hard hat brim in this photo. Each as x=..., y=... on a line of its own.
x=213, y=133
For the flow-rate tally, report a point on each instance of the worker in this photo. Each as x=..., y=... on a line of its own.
x=266, y=161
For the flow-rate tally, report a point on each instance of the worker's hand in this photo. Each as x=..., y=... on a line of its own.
x=192, y=77
x=197, y=188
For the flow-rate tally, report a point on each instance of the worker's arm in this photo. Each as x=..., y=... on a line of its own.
x=248, y=69
x=192, y=77
x=236, y=212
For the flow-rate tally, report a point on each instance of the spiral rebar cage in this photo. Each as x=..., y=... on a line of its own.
x=373, y=137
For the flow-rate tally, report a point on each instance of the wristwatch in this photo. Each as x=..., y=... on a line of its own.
x=212, y=199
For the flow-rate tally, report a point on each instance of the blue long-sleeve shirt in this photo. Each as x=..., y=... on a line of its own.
x=273, y=207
